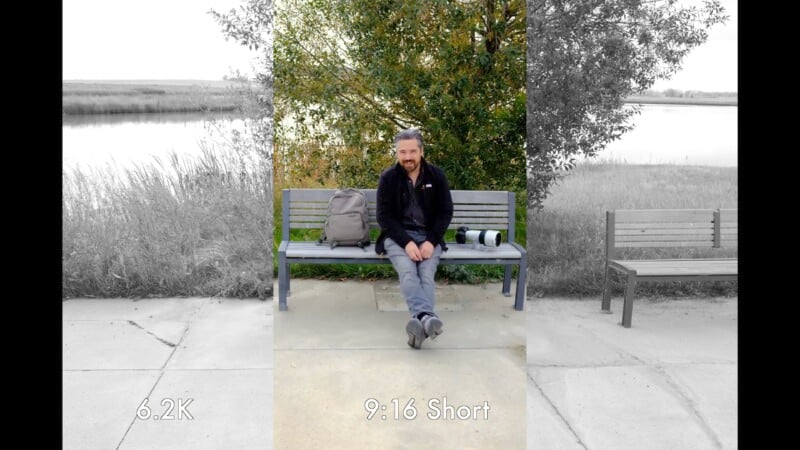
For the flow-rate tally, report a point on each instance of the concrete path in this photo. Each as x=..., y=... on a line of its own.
x=341, y=349
x=561, y=375
x=205, y=366
x=668, y=382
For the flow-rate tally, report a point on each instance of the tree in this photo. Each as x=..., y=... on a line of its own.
x=584, y=57
x=350, y=74
x=252, y=26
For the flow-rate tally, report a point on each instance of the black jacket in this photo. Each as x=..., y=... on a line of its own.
x=393, y=197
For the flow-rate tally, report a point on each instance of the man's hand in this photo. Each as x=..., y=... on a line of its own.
x=426, y=250
x=413, y=251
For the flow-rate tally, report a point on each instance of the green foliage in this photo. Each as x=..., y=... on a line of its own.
x=584, y=57
x=350, y=74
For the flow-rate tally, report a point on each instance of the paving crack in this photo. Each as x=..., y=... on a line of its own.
x=558, y=413
x=690, y=404
x=682, y=396
x=163, y=367
x=164, y=341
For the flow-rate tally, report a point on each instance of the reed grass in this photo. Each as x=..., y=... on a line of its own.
x=179, y=227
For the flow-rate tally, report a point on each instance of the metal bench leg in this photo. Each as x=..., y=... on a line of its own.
x=288, y=282
x=507, y=280
x=605, y=306
x=519, y=302
x=283, y=281
x=627, y=308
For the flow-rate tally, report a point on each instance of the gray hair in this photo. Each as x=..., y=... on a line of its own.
x=409, y=133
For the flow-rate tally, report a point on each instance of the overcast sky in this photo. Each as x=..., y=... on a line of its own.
x=712, y=66
x=177, y=39
x=148, y=39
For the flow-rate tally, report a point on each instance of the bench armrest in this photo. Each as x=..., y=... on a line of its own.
x=520, y=248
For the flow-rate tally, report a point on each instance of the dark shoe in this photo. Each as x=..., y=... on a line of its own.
x=432, y=326
x=416, y=333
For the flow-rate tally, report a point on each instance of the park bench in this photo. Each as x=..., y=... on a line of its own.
x=478, y=210
x=668, y=228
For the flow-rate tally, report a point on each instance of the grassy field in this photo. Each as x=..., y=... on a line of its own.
x=144, y=96
x=567, y=237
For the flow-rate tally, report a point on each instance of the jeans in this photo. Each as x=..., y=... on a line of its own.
x=416, y=278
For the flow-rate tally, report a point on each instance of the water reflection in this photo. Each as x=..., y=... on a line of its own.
x=126, y=140
x=677, y=134
x=85, y=120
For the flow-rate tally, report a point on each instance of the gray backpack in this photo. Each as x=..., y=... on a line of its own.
x=346, y=223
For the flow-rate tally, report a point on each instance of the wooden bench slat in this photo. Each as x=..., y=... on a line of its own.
x=479, y=207
x=306, y=211
x=305, y=219
x=499, y=226
x=666, y=225
x=460, y=220
x=667, y=215
x=306, y=225
x=664, y=231
x=478, y=214
x=488, y=197
x=666, y=244
x=461, y=196
x=694, y=238
x=316, y=195
x=301, y=249
x=681, y=267
x=306, y=204
x=476, y=223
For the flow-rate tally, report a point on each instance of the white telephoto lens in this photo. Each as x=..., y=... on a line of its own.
x=489, y=238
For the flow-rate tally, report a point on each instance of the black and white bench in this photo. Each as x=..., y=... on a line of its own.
x=668, y=228
x=307, y=208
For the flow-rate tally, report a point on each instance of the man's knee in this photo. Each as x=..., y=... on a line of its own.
x=409, y=276
x=427, y=271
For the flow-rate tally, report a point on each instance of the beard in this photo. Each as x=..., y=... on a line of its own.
x=410, y=166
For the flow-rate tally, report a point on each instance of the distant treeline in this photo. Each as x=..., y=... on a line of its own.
x=686, y=94
x=678, y=97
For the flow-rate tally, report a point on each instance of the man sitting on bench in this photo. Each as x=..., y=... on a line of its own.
x=414, y=209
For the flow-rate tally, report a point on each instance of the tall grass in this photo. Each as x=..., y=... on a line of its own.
x=566, y=250
x=192, y=226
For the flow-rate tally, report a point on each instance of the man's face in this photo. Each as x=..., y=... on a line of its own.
x=409, y=154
